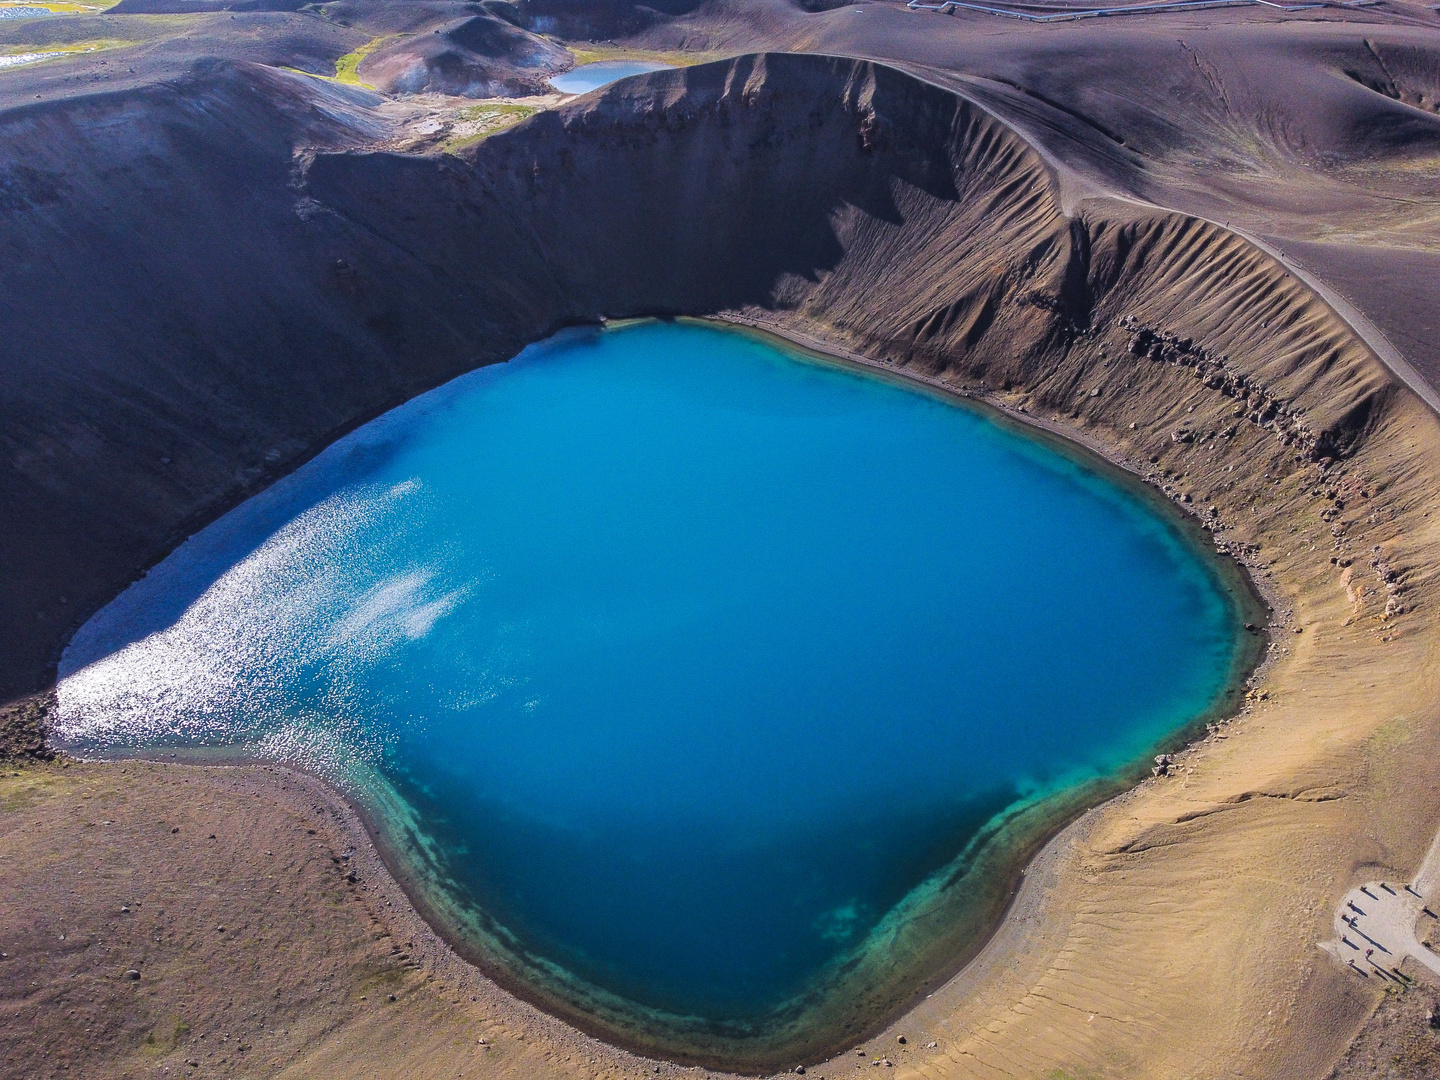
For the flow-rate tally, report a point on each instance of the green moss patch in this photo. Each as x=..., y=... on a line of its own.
x=476, y=122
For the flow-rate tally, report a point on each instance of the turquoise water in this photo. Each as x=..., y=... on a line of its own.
x=685, y=658
x=587, y=77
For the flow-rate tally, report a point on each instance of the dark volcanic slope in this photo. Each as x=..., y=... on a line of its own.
x=146, y=41
x=169, y=323
x=143, y=50
x=1318, y=126
x=475, y=56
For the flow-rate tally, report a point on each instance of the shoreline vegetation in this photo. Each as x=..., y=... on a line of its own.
x=928, y=939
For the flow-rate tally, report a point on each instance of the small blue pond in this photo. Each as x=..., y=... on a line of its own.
x=670, y=660
x=587, y=77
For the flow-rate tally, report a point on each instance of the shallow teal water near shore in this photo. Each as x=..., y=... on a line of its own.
x=689, y=657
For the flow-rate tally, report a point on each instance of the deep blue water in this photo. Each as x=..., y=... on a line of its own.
x=587, y=77
x=690, y=657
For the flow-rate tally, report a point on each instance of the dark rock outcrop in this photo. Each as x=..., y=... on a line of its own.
x=23, y=727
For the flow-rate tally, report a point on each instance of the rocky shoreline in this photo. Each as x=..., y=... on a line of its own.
x=24, y=728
